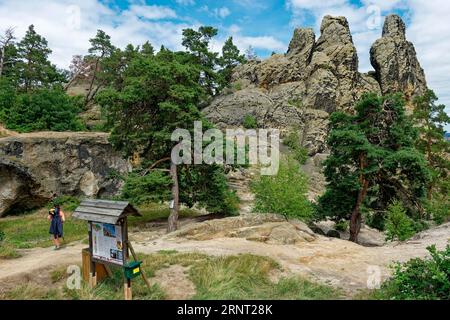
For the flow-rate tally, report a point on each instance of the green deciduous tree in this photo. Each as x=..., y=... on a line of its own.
x=43, y=110
x=430, y=119
x=284, y=193
x=372, y=153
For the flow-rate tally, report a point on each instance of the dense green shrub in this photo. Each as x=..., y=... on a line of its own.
x=421, y=279
x=300, y=153
x=42, y=109
x=156, y=186
x=341, y=225
x=250, y=122
x=153, y=187
x=375, y=219
x=398, y=224
x=283, y=193
x=69, y=203
x=7, y=98
x=439, y=208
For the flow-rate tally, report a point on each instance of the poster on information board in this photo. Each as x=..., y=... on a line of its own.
x=107, y=243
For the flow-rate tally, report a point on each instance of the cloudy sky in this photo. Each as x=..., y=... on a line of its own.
x=265, y=25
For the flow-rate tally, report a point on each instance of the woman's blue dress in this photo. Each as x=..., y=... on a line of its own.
x=56, y=225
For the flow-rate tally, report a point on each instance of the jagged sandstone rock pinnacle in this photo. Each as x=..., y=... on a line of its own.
x=394, y=59
x=301, y=88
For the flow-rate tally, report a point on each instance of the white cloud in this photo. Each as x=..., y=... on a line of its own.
x=185, y=2
x=429, y=31
x=69, y=27
x=251, y=4
x=314, y=4
x=222, y=12
x=262, y=42
x=267, y=43
x=152, y=12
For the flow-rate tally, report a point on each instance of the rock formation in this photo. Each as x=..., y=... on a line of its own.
x=35, y=167
x=395, y=62
x=316, y=77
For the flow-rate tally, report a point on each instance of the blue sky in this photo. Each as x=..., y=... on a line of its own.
x=265, y=25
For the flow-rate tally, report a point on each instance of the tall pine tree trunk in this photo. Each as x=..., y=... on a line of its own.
x=173, y=218
x=355, y=221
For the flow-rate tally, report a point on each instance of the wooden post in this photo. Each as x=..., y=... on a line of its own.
x=92, y=271
x=173, y=218
x=142, y=271
x=127, y=290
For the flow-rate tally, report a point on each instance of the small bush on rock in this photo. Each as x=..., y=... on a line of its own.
x=293, y=142
x=250, y=122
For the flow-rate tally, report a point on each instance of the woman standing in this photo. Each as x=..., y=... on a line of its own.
x=57, y=218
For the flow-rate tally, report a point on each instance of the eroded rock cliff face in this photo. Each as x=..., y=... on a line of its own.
x=394, y=59
x=36, y=167
x=316, y=77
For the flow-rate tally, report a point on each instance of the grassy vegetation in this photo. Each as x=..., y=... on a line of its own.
x=250, y=122
x=156, y=211
x=234, y=277
x=32, y=230
x=247, y=277
x=28, y=231
x=293, y=141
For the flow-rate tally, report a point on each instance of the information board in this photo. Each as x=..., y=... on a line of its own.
x=107, y=243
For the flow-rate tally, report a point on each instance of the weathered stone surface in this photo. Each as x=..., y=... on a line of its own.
x=394, y=59
x=298, y=90
x=35, y=167
x=368, y=237
x=268, y=228
x=333, y=234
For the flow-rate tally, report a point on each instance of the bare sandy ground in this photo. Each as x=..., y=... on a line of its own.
x=328, y=260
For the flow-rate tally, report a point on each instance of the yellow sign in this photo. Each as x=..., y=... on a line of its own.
x=135, y=270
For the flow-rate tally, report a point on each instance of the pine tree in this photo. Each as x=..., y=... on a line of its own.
x=231, y=57
x=197, y=44
x=160, y=93
x=372, y=158
x=430, y=119
x=34, y=68
x=6, y=45
x=101, y=49
x=147, y=49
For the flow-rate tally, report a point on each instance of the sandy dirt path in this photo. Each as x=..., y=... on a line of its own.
x=333, y=261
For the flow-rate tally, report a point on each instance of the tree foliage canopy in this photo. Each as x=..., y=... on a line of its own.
x=373, y=159
x=159, y=94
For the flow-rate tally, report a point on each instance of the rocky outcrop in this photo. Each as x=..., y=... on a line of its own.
x=36, y=167
x=394, y=59
x=267, y=228
x=299, y=89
